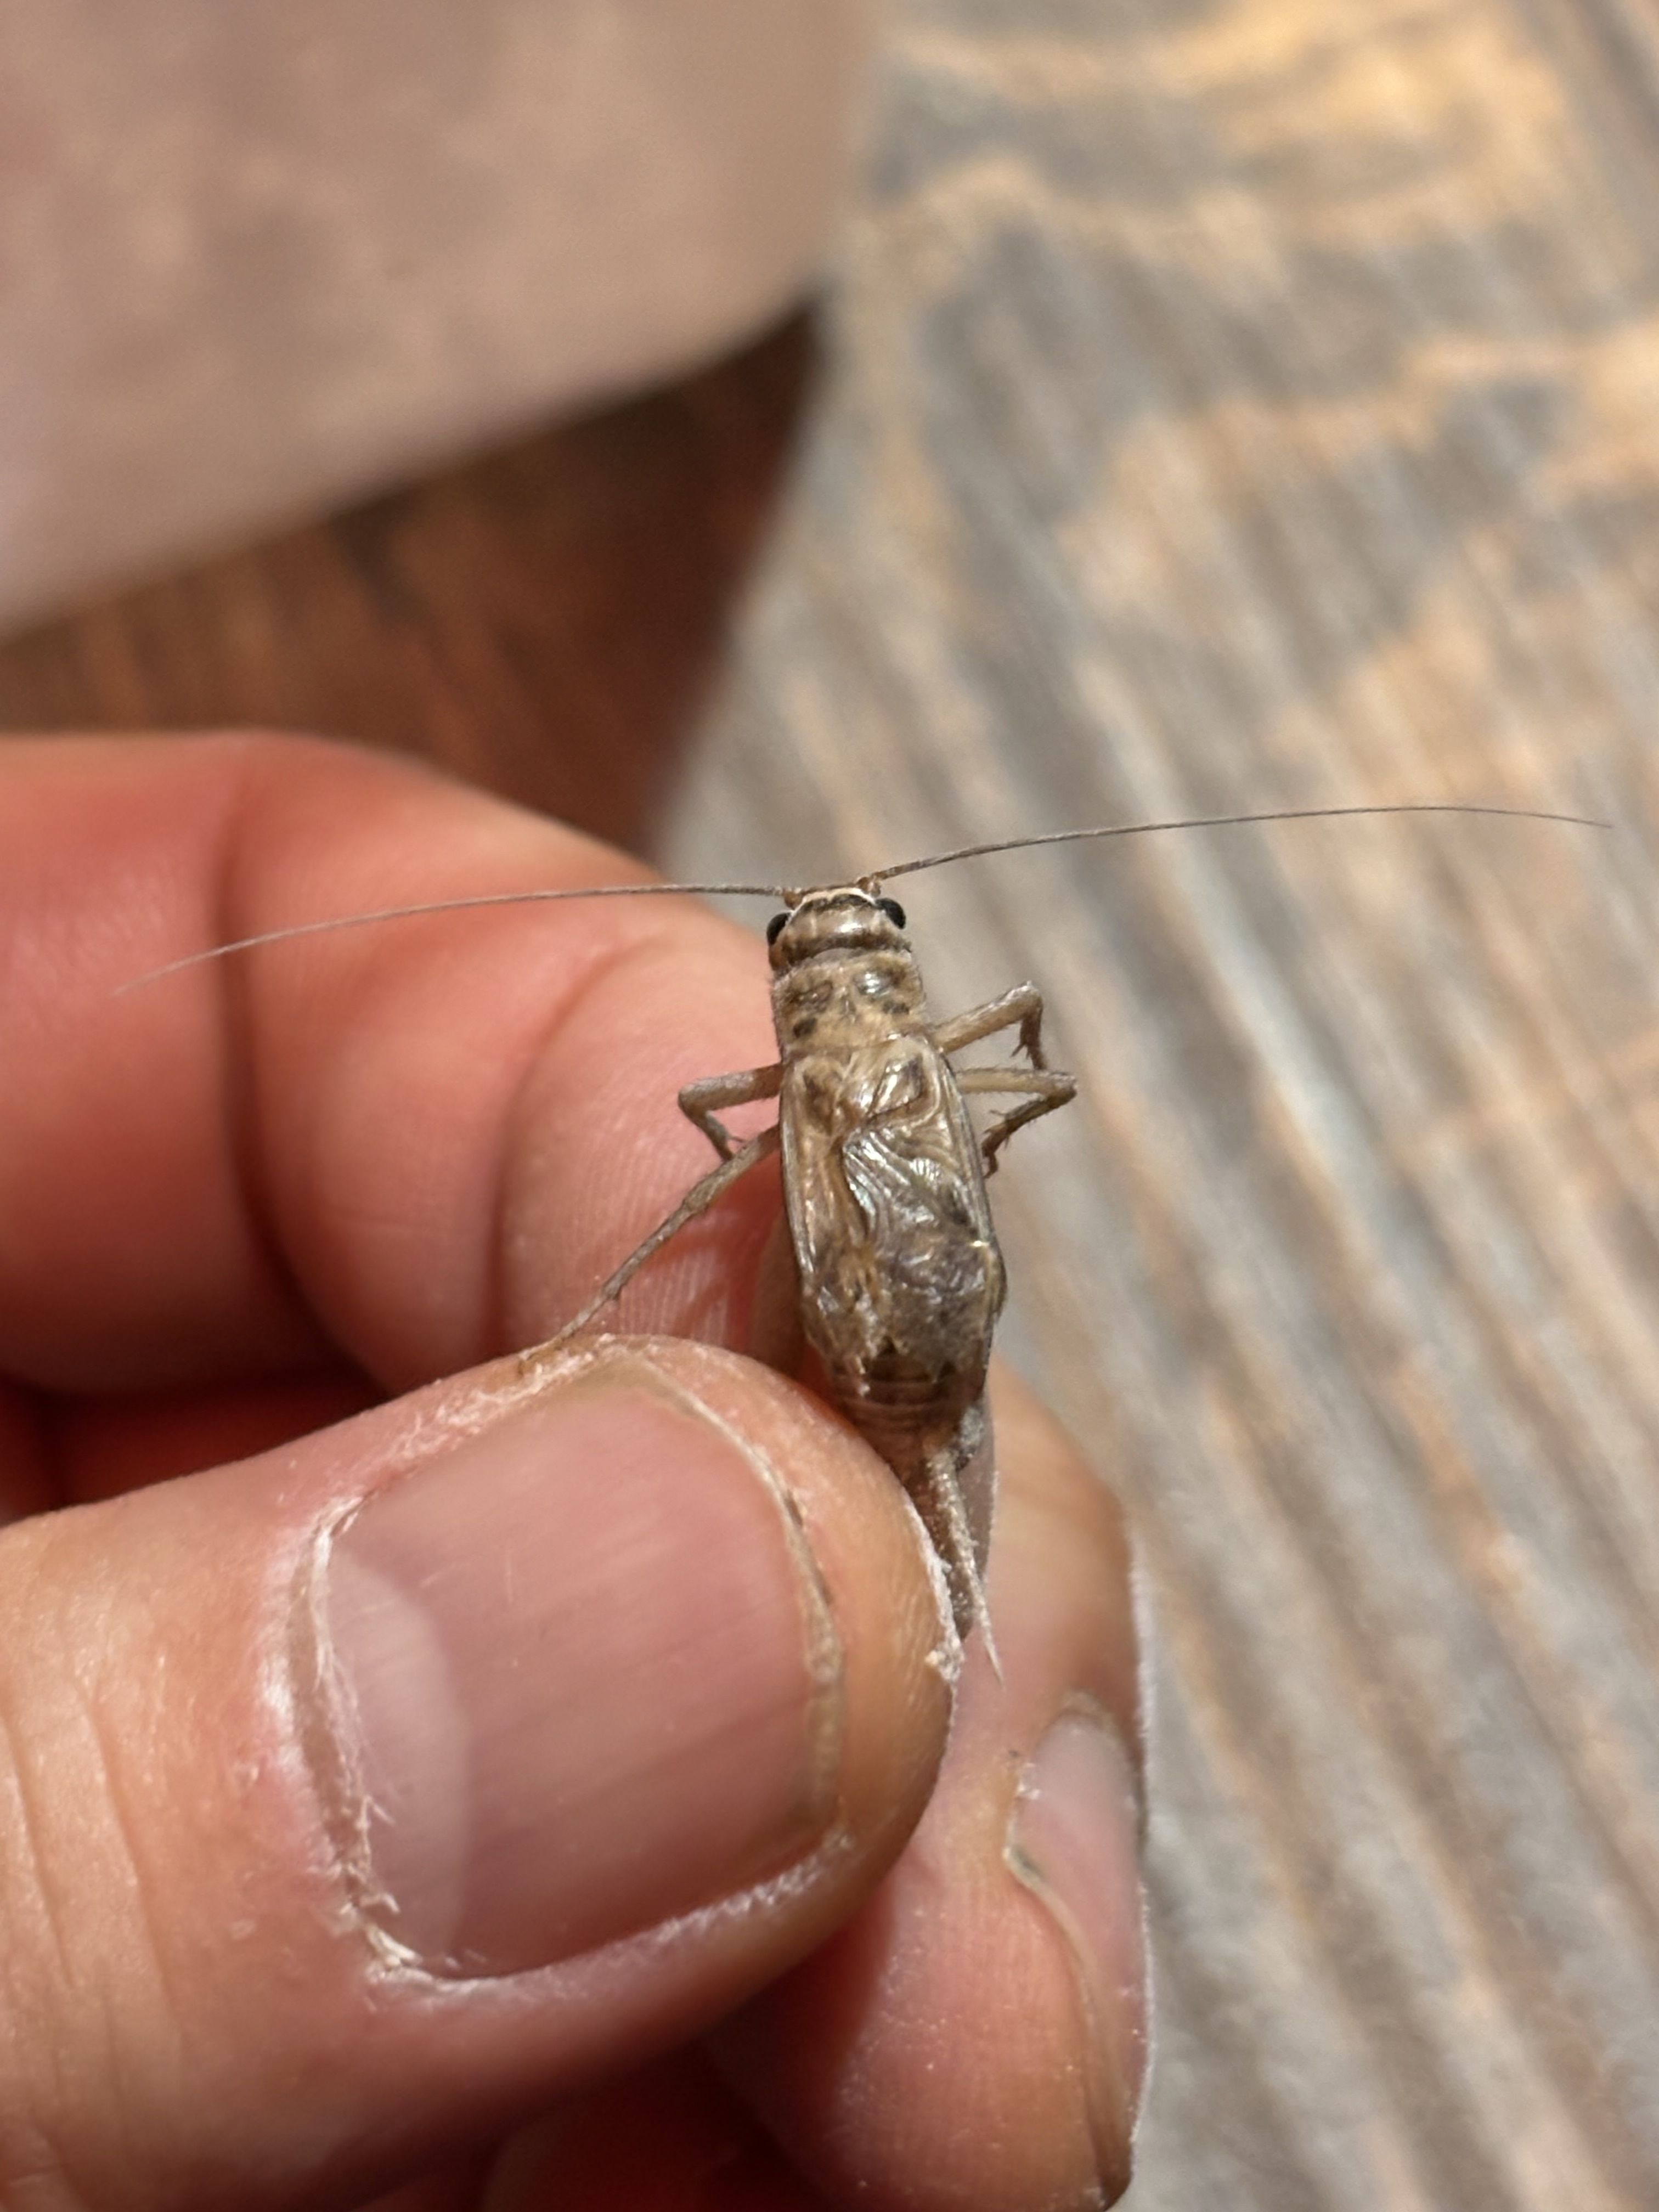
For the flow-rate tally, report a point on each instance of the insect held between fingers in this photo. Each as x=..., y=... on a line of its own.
x=901, y=1280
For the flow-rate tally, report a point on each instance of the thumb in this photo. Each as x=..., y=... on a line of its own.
x=358, y=1800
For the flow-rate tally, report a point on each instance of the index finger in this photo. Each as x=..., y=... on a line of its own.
x=418, y=1142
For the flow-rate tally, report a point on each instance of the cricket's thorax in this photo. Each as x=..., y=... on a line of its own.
x=843, y=974
x=901, y=1278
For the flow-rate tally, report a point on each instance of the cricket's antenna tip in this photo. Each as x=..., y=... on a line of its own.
x=328, y=927
x=1254, y=817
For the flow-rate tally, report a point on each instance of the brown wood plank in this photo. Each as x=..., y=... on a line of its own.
x=1239, y=404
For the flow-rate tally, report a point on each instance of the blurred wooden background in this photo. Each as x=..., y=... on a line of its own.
x=1226, y=403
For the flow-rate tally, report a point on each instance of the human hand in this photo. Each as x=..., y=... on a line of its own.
x=521, y=1788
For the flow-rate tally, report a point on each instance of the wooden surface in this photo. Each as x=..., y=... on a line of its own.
x=1237, y=403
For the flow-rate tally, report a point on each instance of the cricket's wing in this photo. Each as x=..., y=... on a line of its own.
x=901, y=1277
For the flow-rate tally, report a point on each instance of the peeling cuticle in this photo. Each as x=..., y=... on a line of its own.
x=328, y=1731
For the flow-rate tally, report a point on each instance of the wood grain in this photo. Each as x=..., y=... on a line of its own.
x=1235, y=403
x=1239, y=402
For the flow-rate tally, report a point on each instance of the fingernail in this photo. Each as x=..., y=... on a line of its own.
x=1074, y=1842
x=581, y=1678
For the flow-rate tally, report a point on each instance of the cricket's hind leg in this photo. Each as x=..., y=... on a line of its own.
x=698, y=1101
x=952, y=1484
x=698, y=1199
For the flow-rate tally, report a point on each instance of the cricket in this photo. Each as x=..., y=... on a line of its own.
x=901, y=1281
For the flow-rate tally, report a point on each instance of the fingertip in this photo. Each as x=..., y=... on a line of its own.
x=974, y=2040
x=389, y=1784
x=1062, y=1572
x=876, y=1572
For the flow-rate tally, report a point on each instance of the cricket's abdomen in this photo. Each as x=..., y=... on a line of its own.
x=901, y=1278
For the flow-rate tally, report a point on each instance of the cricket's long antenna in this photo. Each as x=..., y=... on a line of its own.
x=789, y=896
x=1230, y=821
x=449, y=906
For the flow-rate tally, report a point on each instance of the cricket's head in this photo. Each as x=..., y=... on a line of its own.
x=841, y=968
x=847, y=918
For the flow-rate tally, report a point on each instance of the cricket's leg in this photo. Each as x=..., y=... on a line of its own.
x=1024, y=1004
x=1047, y=1088
x=937, y=1490
x=698, y=1199
x=699, y=1100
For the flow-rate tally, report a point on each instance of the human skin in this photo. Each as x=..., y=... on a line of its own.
x=501, y=1785
x=257, y=265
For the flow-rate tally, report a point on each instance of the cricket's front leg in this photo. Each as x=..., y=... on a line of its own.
x=1024, y=1004
x=699, y=1100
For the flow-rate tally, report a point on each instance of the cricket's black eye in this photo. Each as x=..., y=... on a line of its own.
x=775, y=927
x=893, y=910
